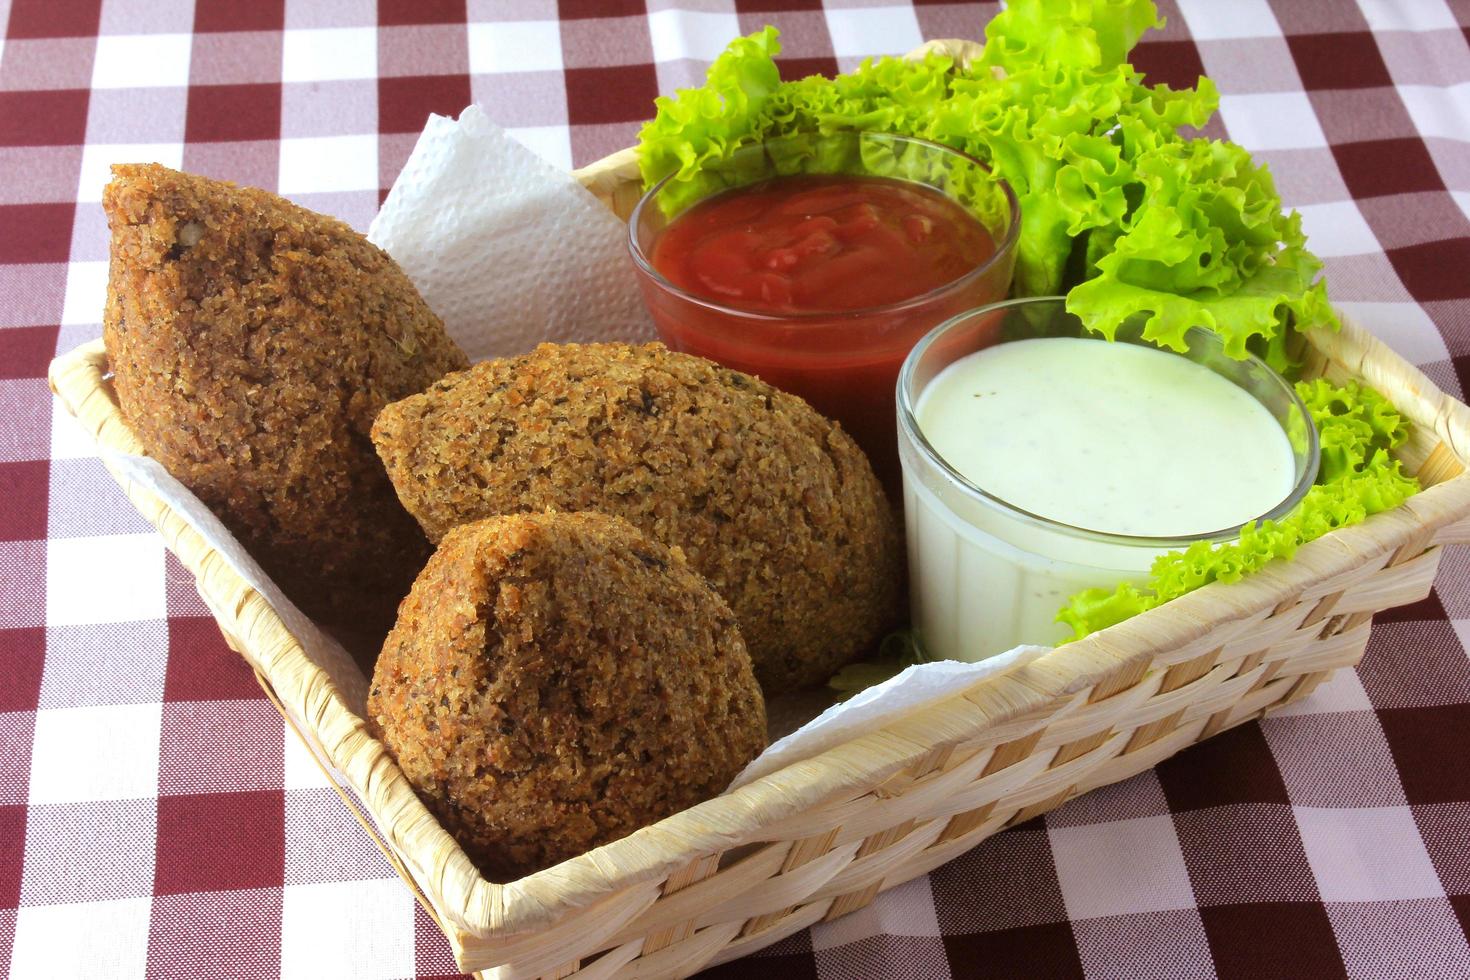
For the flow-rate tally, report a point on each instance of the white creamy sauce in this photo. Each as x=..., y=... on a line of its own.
x=1108, y=436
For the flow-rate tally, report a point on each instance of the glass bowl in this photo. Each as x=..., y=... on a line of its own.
x=845, y=363
x=986, y=574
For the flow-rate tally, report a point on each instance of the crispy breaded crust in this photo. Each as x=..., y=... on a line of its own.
x=253, y=343
x=556, y=681
x=775, y=505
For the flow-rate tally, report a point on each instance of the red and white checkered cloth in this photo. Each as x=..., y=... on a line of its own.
x=156, y=818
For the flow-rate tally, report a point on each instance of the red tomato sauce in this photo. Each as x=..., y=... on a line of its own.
x=802, y=281
x=821, y=244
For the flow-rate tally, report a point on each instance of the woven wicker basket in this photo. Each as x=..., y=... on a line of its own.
x=821, y=838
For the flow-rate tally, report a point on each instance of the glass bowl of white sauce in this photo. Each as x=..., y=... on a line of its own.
x=1040, y=460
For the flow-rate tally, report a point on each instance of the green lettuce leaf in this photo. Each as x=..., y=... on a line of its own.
x=696, y=126
x=1206, y=246
x=1078, y=33
x=1358, y=429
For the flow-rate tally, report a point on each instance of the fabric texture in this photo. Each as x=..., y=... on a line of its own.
x=157, y=819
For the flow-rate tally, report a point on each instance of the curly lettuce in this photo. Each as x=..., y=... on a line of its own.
x=702, y=125
x=1121, y=208
x=1207, y=245
x=1358, y=430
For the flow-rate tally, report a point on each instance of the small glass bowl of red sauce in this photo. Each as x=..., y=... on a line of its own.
x=817, y=261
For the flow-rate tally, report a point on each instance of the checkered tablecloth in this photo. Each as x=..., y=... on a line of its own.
x=156, y=818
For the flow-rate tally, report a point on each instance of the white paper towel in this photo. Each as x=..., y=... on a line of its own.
x=869, y=710
x=507, y=249
x=511, y=252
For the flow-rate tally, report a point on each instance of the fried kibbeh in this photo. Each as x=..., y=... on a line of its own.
x=252, y=344
x=772, y=503
x=556, y=681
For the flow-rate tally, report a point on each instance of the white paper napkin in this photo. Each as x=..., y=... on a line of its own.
x=507, y=249
x=869, y=710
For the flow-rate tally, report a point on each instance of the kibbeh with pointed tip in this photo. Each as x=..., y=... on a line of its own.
x=253, y=342
x=556, y=681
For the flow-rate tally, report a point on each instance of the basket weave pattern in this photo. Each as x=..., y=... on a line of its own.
x=821, y=838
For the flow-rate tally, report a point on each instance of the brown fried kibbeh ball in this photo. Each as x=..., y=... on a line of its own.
x=772, y=503
x=557, y=681
x=252, y=344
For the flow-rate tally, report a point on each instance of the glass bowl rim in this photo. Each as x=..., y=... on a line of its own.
x=908, y=428
x=1003, y=246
